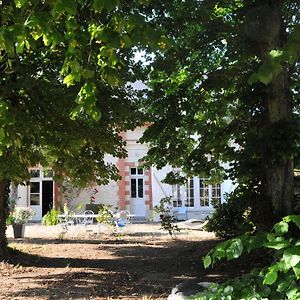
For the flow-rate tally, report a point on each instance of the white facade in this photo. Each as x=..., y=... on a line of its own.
x=139, y=190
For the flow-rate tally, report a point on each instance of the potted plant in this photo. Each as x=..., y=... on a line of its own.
x=17, y=218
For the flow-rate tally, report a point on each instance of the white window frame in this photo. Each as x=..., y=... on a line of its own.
x=136, y=177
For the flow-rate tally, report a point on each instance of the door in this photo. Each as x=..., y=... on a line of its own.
x=47, y=196
x=35, y=199
x=40, y=192
x=137, y=200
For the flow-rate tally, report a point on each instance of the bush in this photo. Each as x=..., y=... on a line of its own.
x=105, y=216
x=230, y=219
x=51, y=217
x=20, y=215
x=278, y=281
x=167, y=220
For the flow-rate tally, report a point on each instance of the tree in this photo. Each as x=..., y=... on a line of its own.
x=45, y=47
x=229, y=94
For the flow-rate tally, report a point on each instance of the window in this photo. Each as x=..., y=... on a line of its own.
x=190, y=193
x=204, y=192
x=209, y=194
x=135, y=171
x=34, y=193
x=196, y=193
x=177, y=199
x=216, y=194
x=35, y=173
x=184, y=195
x=137, y=183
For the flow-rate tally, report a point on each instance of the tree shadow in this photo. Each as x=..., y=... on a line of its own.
x=135, y=270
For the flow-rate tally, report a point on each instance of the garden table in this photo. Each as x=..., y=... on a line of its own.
x=75, y=219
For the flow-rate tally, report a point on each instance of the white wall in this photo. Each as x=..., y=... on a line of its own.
x=22, y=195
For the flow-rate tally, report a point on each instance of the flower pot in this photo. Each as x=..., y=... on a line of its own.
x=19, y=230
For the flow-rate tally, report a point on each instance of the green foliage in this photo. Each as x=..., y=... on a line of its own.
x=280, y=280
x=20, y=215
x=105, y=216
x=51, y=217
x=200, y=95
x=10, y=219
x=166, y=218
x=230, y=218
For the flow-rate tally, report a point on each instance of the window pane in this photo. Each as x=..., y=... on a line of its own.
x=140, y=171
x=133, y=171
x=34, y=199
x=133, y=188
x=34, y=187
x=190, y=193
x=34, y=173
x=140, y=188
x=216, y=194
x=204, y=193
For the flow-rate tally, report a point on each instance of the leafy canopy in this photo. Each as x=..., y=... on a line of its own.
x=64, y=70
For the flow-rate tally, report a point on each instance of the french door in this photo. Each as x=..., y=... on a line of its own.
x=137, y=199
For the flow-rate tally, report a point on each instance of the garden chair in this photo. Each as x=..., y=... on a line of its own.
x=122, y=218
x=88, y=219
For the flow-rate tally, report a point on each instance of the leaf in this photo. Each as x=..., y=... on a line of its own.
x=235, y=249
x=47, y=39
x=76, y=111
x=109, y=5
x=291, y=257
x=70, y=6
x=69, y=80
x=276, y=53
x=254, y=242
x=270, y=278
x=296, y=220
x=296, y=270
x=277, y=244
x=20, y=3
x=98, y=5
x=281, y=228
x=253, y=78
x=86, y=73
x=207, y=261
x=265, y=76
x=2, y=135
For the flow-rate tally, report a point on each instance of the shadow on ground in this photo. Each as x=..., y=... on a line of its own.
x=124, y=268
x=132, y=268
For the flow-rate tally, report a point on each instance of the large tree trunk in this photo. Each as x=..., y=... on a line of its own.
x=279, y=179
x=3, y=212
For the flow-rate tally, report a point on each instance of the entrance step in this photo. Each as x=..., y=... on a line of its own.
x=137, y=219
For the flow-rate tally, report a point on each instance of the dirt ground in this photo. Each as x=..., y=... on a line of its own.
x=139, y=262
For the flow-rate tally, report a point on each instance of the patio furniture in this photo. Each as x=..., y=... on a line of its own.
x=76, y=219
x=89, y=219
x=122, y=218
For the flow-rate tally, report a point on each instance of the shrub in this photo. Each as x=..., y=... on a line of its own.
x=278, y=281
x=20, y=215
x=167, y=220
x=51, y=217
x=105, y=216
x=230, y=219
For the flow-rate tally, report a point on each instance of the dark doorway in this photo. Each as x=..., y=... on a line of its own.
x=47, y=196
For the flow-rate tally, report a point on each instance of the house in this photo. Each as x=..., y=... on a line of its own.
x=138, y=191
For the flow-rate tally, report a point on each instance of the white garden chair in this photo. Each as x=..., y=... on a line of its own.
x=88, y=218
